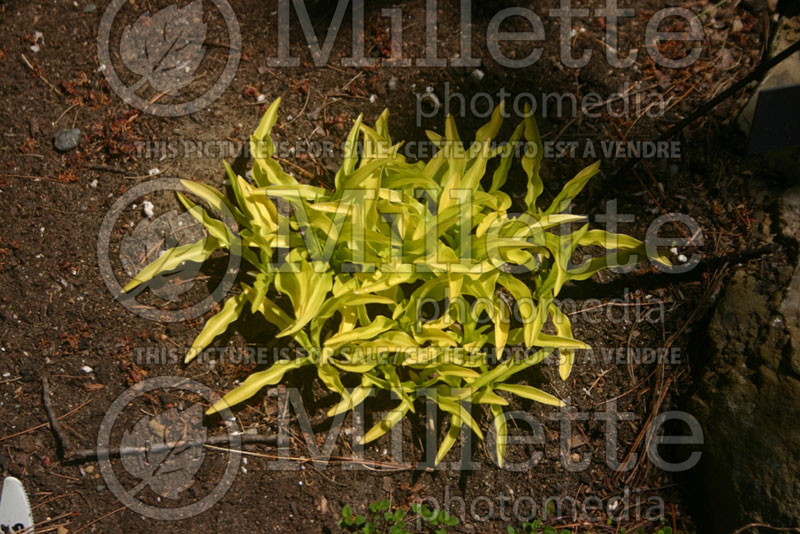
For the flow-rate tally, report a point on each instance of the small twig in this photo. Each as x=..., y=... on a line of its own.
x=41, y=76
x=38, y=526
x=104, y=168
x=43, y=425
x=759, y=71
x=308, y=97
x=58, y=432
x=383, y=466
x=109, y=514
x=300, y=169
x=93, y=454
x=65, y=112
x=354, y=78
x=764, y=525
x=31, y=177
x=69, y=456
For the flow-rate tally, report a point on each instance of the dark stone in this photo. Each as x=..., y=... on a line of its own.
x=748, y=403
x=67, y=139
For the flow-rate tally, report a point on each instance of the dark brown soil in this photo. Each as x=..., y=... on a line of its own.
x=57, y=316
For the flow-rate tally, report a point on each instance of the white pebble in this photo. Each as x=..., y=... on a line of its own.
x=674, y=250
x=372, y=99
x=682, y=258
x=86, y=369
x=153, y=171
x=261, y=98
x=478, y=75
x=147, y=207
x=93, y=183
x=392, y=83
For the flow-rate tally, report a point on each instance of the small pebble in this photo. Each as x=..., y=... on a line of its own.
x=67, y=139
x=372, y=99
x=93, y=183
x=153, y=171
x=147, y=208
x=261, y=98
x=100, y=487
x=478, y=75
x=86, y=369
x=392, y=83
x=89, y=8
x=682, y=258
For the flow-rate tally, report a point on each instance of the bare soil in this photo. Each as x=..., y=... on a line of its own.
x=57, y=316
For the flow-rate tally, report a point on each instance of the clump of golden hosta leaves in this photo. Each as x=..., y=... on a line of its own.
x=359, y=263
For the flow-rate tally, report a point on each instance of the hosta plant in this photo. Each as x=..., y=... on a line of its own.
x=347, y=273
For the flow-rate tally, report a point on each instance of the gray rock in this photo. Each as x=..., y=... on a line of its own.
x=748, y=400
x=89, y=8
x=67, y=139
x=789, y=213
x=784, y=74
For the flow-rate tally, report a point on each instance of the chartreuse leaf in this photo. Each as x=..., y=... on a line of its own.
x=532, y=159
x=379, y=325
x=171, y=259
x=350, y=155
x=454, y=407
x=530, y=392
x=449, y=439
x=305, y=288
x=261, y=143
x=217, y=325
x=501, y=432
x=214, y=198
x=215, y=227
x=385, y=425
x=357, y=396
x=255, y=382
x=506, y=158
x=401, y=274
x=572, y=188
x=564, y=329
